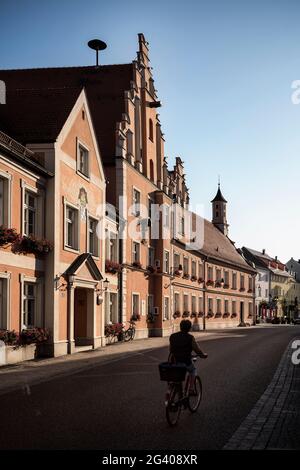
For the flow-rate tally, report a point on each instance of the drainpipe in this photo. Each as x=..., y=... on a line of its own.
x=204, y=296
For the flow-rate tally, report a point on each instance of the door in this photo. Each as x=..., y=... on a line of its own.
x=80, y=313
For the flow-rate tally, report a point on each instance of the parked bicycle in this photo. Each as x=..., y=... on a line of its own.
x=129, y=333
x=118, y=331
x=178, y=394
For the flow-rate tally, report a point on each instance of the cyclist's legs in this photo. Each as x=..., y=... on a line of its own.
x=192, y=374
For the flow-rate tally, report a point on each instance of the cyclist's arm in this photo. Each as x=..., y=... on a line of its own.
x=196, y=348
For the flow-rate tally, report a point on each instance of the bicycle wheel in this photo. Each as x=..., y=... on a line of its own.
x=127, y=335
x=132, y=333
x=194, y=401
x=173, y=407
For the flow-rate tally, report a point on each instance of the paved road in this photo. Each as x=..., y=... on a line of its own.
x=120, y=405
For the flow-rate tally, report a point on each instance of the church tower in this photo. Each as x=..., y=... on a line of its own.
x=219, y=218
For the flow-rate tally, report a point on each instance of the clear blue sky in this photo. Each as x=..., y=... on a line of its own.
x=223, y=70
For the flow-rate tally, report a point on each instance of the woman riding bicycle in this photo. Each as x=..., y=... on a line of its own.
x=182, y=344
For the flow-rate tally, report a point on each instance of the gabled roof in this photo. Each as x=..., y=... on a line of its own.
x=39, y=100
x=218, y=246
x=89, y=261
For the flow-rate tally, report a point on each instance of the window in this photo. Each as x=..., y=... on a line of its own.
x=135, y=304
x=4, y=201
x=186, y=303
x=233, y=280
x=177, y=302
x=166, y=261
x=166, y=308
x=226, y=306
x=233, y=305
x=250, y=283
x=219, y=306
x=150, y=304
x=194, y=304
x=111, y=247
x=151, y=170
x=181, y=227
x=267, y=293
x=226, y=278
x=151, y=254
x=3, y=303
x=200, y=270
x=129, y=142
x=83, y=161
x=210, y=273
x=93, y=241
x=29, y=304
x=176, y=261
x=242, y=280
x=30, y=213
x=218, y=274
x=250, y=311
x=185, y=265
x=200, y=304
x=210, y=305
x=136, y=202
x=111, y=307
x=194, y=269
x=135, y=252
x=259, y=291
x=151, y=130
x=71, y=227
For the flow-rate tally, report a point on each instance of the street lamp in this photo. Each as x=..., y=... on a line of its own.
x=100, y=291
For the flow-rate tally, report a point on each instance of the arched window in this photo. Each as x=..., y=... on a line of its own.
x=151, y=130
x=151, y=170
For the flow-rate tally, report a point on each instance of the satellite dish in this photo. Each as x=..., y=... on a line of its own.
x=97, y=45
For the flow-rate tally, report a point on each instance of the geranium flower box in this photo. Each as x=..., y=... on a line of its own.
x=209, y=282
x=112, y=267
x=7, y=235
x=137, y=264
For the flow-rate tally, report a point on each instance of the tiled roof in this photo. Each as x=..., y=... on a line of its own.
x=38, y=101
x=217, y=245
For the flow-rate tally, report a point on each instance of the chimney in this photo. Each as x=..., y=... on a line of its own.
x=275, y=258
x=299, y=261
x=263, y=251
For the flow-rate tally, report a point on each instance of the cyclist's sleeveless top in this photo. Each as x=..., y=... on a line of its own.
x=181, y=346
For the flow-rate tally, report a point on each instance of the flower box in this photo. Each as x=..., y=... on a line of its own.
x=218, y=315
x=226, y=286
x=233, y=315
x=242, y=289
x=31, y=244
x=135, y=317
x=193, y=278
x=218, y=284
x=21, y=346
x=209, y=315
x=112, y=267
x=209, y=282
x=177, y=272
x=185, y=314
x=226, y=315
x=150, y=269
x=12, y=355
x=113, y=329
x=200, y=280
x=7, y=235
x=177, y=314
x=200, y=314
x=250, y=291
x=137, y=264
x=193, y=315
x=186, y=276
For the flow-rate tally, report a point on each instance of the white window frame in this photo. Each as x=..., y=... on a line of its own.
x=39, y=220
x=7, y=207
x=194, y=304
x=136, y=212
x=226, y=310
x=186, y=261
x=233, y=306
x=166, y=266
x=150, y=296
x=137, y=294
x=175, y=296
x=38, y=314
x=186, y=295
x=210, y=299
x=139, y=251
x=5, y=277
x=166, y=314
x=76, y=230
x=86, y=148
x=193, y=271
x=108, y=299
x=95, y=255
x=218, y=302
x=200, y=303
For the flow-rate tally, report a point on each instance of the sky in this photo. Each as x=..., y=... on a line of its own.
x=223, y=70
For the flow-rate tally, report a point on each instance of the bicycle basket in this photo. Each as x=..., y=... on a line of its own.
x=171, y=372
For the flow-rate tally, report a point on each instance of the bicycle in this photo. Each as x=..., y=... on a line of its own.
x=129, y=334
x=178, y=396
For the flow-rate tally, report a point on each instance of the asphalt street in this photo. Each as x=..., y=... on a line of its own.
x=120, y=405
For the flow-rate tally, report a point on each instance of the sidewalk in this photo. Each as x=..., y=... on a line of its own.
x=274, y=422
x=27, y=373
